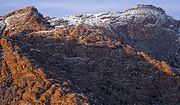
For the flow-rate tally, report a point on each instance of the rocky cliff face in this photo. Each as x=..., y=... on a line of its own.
x=123, y=58
x=145, y=28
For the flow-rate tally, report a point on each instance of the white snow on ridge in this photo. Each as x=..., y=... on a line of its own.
x=103, y=19
x=89, y=19
x=107, y=19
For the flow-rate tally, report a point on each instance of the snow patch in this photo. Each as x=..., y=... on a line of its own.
x=110, y=18
x=2, y=25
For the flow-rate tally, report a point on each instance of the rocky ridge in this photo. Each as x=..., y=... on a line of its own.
x=121, y=58
x=155, y=27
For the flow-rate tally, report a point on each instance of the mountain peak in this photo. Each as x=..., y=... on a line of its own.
x=107, y=58
x=144, y=12
x=144, y=6
x=23, y=10
x=26, y=19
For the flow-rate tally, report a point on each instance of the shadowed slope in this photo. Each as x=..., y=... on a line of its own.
x=72, y=65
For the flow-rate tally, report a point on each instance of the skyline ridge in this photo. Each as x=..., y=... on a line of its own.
x=65, y=8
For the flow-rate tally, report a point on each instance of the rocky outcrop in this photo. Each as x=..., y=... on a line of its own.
x=145, y=28
x=149, y=29
x=30, y=85
x=25, y=20
x=21, y=82
x=96, y=61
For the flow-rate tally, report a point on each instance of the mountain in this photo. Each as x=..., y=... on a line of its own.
x=113, y=58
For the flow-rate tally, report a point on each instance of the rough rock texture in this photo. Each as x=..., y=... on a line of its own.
x=21, y=82
x=25, y=20
x=144, y=28
x=118, y=58
x=2, y=26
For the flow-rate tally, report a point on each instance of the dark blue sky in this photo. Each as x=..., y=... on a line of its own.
x=72, y=7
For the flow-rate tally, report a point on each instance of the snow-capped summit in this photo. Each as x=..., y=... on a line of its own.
x=137, y=14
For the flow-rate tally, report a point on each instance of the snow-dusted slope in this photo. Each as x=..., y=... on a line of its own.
x=88, y=19
x=138, y=27
x=137, y=14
